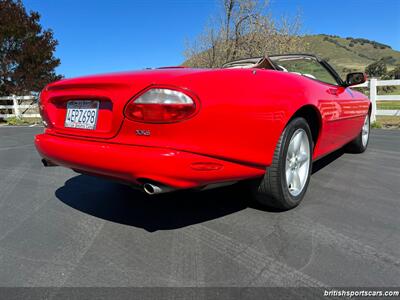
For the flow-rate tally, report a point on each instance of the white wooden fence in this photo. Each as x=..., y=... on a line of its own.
x=19, y=110
x=373, y=95
x=30, y=111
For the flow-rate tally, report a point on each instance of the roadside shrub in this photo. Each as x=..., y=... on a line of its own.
x=16, y=121
x=376, y=124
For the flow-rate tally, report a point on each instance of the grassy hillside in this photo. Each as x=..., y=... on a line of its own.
x=350, y=54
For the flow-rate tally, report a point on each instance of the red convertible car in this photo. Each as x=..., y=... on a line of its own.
x=262, y=119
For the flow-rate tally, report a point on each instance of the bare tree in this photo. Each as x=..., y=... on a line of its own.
x=244, y=28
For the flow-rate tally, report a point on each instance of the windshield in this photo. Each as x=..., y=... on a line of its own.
x=307, y=66
x=243, y=63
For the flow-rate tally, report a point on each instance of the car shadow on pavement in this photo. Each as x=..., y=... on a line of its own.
x=121, y=204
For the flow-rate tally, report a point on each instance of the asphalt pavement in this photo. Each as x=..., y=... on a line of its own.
x=60, y=229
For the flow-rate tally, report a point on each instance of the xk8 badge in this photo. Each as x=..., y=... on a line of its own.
x=143, y=132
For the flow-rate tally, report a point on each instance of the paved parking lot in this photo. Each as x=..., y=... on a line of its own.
x=59, y=228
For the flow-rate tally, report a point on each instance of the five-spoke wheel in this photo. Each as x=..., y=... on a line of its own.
x=297, y=162
x=285, y=181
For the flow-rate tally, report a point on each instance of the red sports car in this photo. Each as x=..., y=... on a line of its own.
x=265, y=119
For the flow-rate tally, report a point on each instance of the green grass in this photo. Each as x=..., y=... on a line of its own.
x=388, y=104
x=376, y=124
x=14, y=121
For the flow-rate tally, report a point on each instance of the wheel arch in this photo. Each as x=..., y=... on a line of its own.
x=313, y=118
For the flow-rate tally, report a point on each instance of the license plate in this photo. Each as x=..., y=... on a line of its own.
x=82, y=114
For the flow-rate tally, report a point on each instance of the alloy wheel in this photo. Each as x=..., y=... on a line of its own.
x=365, y=131
x=297, y=162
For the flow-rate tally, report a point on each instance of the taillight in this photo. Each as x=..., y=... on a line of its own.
x=160, y=105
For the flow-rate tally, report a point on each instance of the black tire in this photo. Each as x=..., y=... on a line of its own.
x=357, y=145
x=272, y=190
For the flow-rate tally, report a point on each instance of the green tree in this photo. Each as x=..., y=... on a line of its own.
x=27, y=61
x=376, y=69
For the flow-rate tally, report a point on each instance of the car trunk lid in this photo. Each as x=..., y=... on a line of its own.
x=111, y=91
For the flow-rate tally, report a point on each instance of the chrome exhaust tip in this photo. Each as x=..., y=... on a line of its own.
x=152, y=189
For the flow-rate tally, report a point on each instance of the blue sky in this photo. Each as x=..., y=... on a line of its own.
x=115, y=35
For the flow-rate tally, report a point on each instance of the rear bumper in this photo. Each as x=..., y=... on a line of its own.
x=136, y=164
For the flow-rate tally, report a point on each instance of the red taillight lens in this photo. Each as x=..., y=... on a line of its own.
x=159, y=105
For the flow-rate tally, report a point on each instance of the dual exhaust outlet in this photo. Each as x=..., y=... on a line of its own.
x=153, y=189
